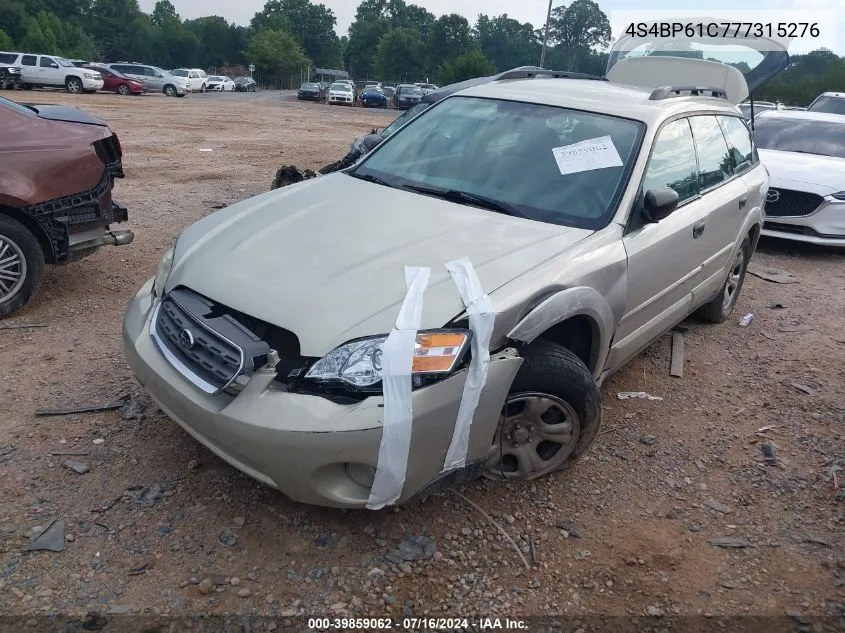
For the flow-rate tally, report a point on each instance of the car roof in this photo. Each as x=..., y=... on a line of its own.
x=595, y=96
x=802, y=115
x=837, y=95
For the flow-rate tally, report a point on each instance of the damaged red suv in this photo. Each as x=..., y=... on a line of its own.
x=57, y=171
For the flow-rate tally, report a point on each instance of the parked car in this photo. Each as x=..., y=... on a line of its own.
x=219, y=83
x=389, y=91
x=830, y=102
x=156, y=79
x=195, y=76
x=759, y=106
x=407, y=95
x=341, y=94
x=805, y=155
x=589, y=248
x=373, y=97
x=309, y=92
x=51, y=71
x=426, y=88
x=245, y=84
x=114, y=81
x=10, y=75
x=58, y=166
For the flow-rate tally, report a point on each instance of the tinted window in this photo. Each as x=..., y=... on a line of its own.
x=150, y=72
x=46, y=62
x=673, y=161
x=455, y=146
x=8, y=58
x=29, y=60
x=832, y=105
x=739, y=142
x=714, y=160
x=792, y=134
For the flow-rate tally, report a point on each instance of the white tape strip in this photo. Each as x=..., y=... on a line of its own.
x=397, y=361
x=481, y=320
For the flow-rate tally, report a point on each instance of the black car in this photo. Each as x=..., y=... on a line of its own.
x=407, y=96
x=309, y=92
x=245, y=84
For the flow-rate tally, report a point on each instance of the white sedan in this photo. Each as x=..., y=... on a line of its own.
x=221, y=83
x=804, y=153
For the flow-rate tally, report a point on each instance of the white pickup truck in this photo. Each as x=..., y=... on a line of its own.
x=50, y=71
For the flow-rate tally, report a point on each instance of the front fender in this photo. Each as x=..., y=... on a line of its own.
x=578, y=301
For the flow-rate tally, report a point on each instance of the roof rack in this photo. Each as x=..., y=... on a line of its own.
x=667, y=92
x=529, y=72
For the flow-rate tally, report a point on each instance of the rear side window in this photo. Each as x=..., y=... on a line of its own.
x=714, y=160
x=743, y=153
x=8, y=58
x=673, y=161
x=29, y=60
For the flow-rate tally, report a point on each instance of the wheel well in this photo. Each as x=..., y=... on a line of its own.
x=754, y=234
x=34, y=228
x=577, y=334
x=69, y=77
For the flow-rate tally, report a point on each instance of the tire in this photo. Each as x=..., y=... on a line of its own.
x=553, y=389
x=123, y=89
x=170, y=90
x=23, y=258
x=74, y=85
x=204, y=88
x=719, y=309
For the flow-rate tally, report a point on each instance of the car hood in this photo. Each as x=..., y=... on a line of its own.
x=67, y=114
x=785, y=168
x=320, y=259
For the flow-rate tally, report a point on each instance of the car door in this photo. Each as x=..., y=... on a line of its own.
x=155, y=80
x=664, y=258
x=29, y=69
x=49, y=73
x=727, y=198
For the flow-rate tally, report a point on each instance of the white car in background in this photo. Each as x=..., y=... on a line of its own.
x=804, y=153
x=196, y=77
x=342, y=94
x=219, y=83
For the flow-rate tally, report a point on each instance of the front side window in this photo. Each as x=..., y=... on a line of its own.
x=29, y=60
x=807, y=136
x=831, y=105
x=714, y=160
x=47, y=62
x=152, y=72
x=740, y=144
x=454, y=147
x=673, y=163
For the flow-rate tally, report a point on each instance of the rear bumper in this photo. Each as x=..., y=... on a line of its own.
x=92, y=84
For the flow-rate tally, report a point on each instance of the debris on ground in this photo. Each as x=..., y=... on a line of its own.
x=413, y=549
x=99, y=440
x=51, y=538
x=291, y=175
x=79, y=468
x=805, y=388
x=718, y=506
x=22, y=326
x=676, y=367
x=145, y=496
x=729, y=542
x=777, y=306
x=775, y=275
x=769, y=452
x=746, y=320
x=569, y=528
x=133, y=410
x=111, y=406
x=227, y=538
x=6, y=452
x=626, y=395
x=648, y=440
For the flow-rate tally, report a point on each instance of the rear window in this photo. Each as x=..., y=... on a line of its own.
x=714, y=161
x=788, y=134
x=8, y=58
x=179, y=73
x=739, y=141
x=831, y=105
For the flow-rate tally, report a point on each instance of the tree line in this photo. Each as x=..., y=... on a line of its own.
x=390, y=40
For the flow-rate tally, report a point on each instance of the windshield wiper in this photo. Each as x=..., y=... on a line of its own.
x=463, y=197
x=371, y=178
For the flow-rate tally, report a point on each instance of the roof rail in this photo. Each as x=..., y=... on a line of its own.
x=529, y=72
x=667, y=92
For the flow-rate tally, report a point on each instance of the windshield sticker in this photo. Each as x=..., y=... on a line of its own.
x=595, y=153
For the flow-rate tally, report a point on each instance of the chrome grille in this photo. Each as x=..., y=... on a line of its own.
x=791, y=203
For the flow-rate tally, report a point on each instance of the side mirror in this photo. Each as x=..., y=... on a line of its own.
x=54, y=65
x=659, y=203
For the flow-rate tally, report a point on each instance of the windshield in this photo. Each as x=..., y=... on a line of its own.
x=403, y=118
x=216, y=78
x=411, y=90
x=17, y=107
x=831, y=105
x=341, y=88
x=547, y=163
x=788, y=134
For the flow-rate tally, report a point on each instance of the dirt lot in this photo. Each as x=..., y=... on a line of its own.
x=626, y=532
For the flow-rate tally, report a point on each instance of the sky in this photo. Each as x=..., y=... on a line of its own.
x=533, y=11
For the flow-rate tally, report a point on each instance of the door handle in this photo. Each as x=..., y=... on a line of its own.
x=697, y=230
x=742, y=203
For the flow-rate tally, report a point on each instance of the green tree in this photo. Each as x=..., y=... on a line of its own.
x=5, y=41
x=218, y=43
x=400, y=56
x=164, y=14
x=577, y=29
x=40, y=38
x=507, y=42
x=468, y=65
x=449, y=39
x=312, y=25
x=14, y=19
x=360, y=53
x=276, y=54
x=121, y=30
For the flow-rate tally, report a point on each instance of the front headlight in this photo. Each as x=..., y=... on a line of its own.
x=165, y=266
x=359, y=363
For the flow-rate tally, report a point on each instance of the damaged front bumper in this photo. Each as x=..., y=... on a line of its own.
x=312, y=449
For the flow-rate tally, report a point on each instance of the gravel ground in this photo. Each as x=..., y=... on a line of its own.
x=158, y=525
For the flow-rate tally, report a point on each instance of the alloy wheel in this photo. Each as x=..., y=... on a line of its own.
x=12, y=269
x=536, y=435
x=74, y=86
x=734, y=279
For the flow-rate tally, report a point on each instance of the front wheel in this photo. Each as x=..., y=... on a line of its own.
x=170, y=91
x=21, y=266
x=74, y=85
x=204, y=88
x=551, y=415
x=123, y=89
x=720, y=308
